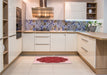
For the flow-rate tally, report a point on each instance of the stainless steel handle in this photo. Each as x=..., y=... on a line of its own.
x=12, y=35
x=84, y=49
x=42, y=36
x=42, y=44
x=85, y=40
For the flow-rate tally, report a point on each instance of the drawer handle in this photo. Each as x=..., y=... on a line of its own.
x=42, y=44
x=84, y=49
x=42, y=36
x=84, y=40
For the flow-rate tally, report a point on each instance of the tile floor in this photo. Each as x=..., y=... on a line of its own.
x=24, y=66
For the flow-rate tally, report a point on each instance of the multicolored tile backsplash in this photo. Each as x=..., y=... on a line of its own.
x=48, y=25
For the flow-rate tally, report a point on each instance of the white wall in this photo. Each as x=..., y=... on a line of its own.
x=29, y=5
x=57, y=4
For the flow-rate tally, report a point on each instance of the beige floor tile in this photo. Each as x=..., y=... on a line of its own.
x=25, y=66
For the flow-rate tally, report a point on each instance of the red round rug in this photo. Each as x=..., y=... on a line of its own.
x=52, y=59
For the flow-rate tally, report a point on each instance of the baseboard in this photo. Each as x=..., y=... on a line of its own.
x=49, y=53
x=91, y=67
x=10, y=64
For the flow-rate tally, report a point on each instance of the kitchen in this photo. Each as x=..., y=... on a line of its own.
x=73, y=31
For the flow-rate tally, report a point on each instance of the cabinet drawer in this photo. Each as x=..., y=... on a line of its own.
x=84, y=40
x=42, y=47
x=42, y=40
x=87, y=48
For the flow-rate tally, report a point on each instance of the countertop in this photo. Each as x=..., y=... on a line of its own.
x=96, y=35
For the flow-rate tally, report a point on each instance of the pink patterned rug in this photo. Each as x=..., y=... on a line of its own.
x=52, y=59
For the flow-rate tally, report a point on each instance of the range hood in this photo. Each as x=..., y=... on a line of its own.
x=43, y=11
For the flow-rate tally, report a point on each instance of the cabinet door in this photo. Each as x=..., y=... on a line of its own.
x=19, y=45
x=71, y=42
x=58, y=42
x=28, y=42
x=1, y=55
x=75, y=10
x=92, y=52
x=12, y=17
x=12, y=48
x=1, y=10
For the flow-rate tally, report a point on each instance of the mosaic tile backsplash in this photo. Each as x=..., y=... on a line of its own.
x=48, y=25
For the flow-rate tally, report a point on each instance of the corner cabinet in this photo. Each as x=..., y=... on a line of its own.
x=87, y=49
x=58, y=41
x=75, y=10
x=71, y=42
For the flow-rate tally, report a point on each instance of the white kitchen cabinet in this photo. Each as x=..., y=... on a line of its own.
x=58, y=41
x=1, y=61
x=28, y=42
x=12, y=48
x=1, y=16
x=42, y=42
x=1, y=55
x=19, y=45
x=87, y=48
x=75, y=10
x=12, y=17
x=71, y=42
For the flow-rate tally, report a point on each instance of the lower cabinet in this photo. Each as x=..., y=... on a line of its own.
x=71, y=42
x=19, y=45
x=28, y=42
x=1, y=55
x=58, y=41
x=12, y=48
x=87, y=49
x=49, y=42
x=42, y=42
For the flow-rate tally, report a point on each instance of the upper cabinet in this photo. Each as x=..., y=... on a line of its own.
x=75, y=10
x=91, y=10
